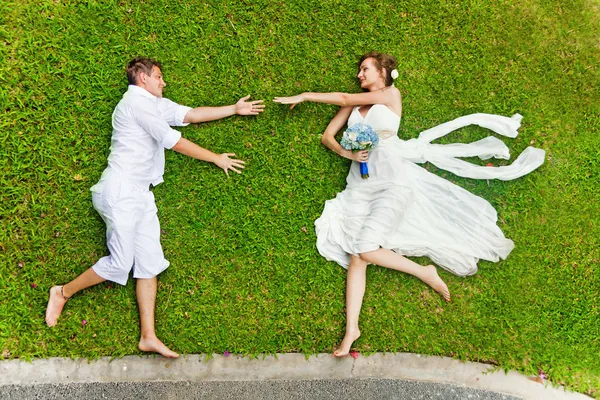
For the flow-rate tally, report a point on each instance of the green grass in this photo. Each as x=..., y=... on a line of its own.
x=245, y=277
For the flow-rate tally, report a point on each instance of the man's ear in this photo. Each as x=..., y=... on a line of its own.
x=142, y=77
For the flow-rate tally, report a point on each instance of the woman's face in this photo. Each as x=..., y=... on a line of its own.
x=369, y=76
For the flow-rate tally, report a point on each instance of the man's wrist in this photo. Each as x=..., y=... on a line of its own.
x=214, y=158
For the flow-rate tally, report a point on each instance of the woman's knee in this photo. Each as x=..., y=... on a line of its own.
x=366, y=257
x=357, y=263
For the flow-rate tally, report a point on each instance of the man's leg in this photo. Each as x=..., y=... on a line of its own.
x=146, y=297
x=149, y=262
x=60, y=294
x=120, y=243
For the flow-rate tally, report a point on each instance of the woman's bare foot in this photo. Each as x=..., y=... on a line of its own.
x=56, y=302
x=153, y=344
x=344, y=348
x=431, y=277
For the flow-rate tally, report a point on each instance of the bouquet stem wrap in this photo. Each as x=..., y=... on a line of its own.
x=364, y=170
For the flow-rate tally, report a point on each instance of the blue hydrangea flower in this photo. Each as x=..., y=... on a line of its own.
x=360, y=137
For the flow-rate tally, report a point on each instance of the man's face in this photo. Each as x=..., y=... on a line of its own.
x=154, y=83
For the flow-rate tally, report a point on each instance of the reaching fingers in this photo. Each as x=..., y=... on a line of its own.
x=233, y=168
x=226, y=163
x=245, y=98
x=233, y=160
x=256, y=107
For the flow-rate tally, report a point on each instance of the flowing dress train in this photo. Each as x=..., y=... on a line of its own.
x=407, y=209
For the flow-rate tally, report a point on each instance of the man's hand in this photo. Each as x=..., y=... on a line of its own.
x=190, y=149
x=223, y=161
x=290, y=100
x=244, y=107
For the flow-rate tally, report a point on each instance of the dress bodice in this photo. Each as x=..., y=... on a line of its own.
x=383, y=120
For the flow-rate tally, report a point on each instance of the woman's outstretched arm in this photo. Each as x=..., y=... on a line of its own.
x=342, y=99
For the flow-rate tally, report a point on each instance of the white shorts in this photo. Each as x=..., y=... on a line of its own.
x=132, y=231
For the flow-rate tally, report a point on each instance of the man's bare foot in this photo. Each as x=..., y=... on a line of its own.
x=431, y=277
x=344, y=348
x=153, y=344
x=56, y=302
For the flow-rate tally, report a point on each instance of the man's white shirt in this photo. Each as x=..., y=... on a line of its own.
x=141, y=131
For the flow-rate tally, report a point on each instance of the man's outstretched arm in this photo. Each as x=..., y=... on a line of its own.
x=223, y=161
x=242, y=107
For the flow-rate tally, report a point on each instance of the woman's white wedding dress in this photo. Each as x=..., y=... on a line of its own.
x=403, y=207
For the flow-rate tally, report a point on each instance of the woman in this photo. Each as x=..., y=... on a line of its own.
x=402, y=209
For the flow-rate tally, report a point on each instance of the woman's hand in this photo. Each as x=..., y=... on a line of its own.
x=290, y=100
x=244, y=107
x=223, y=161
x=359, y=156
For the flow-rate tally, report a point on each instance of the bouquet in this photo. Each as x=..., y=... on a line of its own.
x=360, y=137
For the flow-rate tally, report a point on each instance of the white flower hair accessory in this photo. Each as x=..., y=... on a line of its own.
x=394, y=73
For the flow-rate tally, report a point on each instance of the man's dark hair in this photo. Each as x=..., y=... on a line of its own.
x=139, y=65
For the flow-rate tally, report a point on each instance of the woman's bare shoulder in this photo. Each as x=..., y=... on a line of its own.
x=395, y=91
x=393, y=96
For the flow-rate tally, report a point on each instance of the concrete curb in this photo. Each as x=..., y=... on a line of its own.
x=403, y=366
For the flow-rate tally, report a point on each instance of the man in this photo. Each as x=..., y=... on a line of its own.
x=141, y=131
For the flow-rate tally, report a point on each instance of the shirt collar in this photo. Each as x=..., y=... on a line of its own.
x=141, y=91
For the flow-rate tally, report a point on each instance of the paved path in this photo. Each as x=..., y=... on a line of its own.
x=381, y=376
x=359, y=389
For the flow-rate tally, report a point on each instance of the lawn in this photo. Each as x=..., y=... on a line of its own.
x=245, y=275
